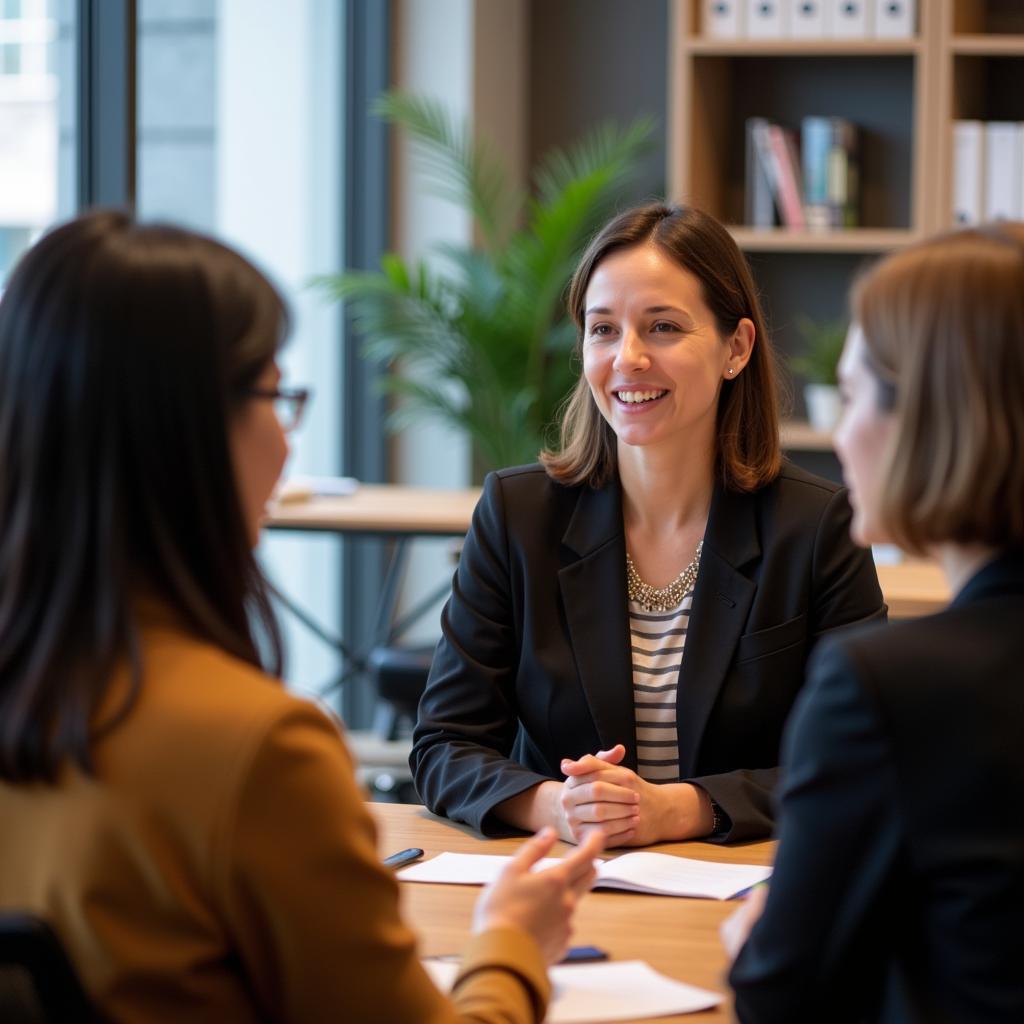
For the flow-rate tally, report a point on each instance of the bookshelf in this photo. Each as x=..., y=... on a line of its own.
x=966, y=60
x=851, y=240
x=980, y=68
x=802, y=47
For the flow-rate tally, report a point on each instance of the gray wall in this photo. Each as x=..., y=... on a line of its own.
x=592, y=60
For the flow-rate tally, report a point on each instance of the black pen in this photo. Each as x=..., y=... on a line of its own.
x=403, y=857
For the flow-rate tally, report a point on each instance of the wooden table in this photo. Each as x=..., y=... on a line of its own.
x=911, y=588
x=381, y=509
x=678, y=937
x=375, y=510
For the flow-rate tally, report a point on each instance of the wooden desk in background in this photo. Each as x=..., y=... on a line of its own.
x=910, y=588
x=678, y=937
x=381, y=509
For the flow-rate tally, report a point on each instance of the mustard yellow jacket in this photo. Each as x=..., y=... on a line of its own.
x=221, y=866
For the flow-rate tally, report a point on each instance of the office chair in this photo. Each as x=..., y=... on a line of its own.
x=400, y=675
x=38, y=985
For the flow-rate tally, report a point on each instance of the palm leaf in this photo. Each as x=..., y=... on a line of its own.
x=457, y=167
x=476, y=336
x=606, y=146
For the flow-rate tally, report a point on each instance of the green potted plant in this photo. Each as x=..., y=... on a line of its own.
x=823, y=345
x=476, y=335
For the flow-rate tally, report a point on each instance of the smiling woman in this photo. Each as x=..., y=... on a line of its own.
x=630, y=620
x=652, y=354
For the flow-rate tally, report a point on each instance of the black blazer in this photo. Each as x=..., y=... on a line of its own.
x=534, y=660
x=898, y=891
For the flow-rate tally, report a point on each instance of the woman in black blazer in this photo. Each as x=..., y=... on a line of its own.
x=898, y=890
x=540, y=707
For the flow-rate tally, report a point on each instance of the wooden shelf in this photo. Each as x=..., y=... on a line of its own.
x=850, y=240
x=903, y=95
x=797, y=435
x=988, y=45
x=705, y=47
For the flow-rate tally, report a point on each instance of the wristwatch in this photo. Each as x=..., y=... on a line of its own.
x=721, y=822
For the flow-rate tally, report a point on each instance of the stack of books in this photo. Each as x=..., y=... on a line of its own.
x=810, y=186
x=988, y=171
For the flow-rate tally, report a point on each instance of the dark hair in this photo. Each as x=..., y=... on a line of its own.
x=943, y=326
x=124, y=351
x=749, y=455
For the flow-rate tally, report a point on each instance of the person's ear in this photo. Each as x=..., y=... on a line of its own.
x=741, y=345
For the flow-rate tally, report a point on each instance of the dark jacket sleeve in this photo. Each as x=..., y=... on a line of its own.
x=844, y=592
x=816, y=954
x=468, y=718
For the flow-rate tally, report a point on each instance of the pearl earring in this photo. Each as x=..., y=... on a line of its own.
x=731, y=371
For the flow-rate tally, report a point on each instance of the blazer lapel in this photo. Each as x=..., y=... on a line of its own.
x=721, y=601
x=593, y=586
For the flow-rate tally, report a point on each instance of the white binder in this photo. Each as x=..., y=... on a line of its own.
x=1020, y=179
x=807, y=19
x=894, y=19
x=1002, y=170
x=765, y=19
x=968, y=168
x=848, y=19
x=723, y=19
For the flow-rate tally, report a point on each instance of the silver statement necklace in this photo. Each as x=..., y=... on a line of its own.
x=652, y=599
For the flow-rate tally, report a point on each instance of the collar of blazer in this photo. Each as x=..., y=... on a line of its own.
x=1003, y=576
x=593, y=589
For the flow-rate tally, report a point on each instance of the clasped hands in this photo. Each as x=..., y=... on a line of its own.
x=600, y=794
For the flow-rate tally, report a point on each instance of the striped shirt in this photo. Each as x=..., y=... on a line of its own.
x=657, y=640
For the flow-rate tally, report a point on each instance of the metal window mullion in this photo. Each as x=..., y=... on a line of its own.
x=366, y=228
x=106, y=103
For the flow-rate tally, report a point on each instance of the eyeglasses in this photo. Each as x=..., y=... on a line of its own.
x=289, y=404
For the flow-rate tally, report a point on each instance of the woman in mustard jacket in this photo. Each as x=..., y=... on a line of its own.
x=191, y=831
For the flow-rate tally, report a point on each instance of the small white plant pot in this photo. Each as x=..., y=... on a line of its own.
x=822, y=406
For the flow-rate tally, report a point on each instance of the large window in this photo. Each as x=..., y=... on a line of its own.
x=37, y=121
x=230, y=116
x=238, y=134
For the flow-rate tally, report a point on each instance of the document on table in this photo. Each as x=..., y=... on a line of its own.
x=590, y=993
x=659, y=874
x=303, y=488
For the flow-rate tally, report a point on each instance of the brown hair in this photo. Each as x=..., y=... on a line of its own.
x=749, y=455
x=943, y=326
x=125, y=350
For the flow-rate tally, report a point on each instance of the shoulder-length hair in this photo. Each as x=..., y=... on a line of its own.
x=125, y=350
x=943, y=325
x=749, y=454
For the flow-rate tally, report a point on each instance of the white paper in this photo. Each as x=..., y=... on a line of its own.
x=462, y=868
x=665, y=875
x=304, y=488
x=654, y=873
x=590, y=993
